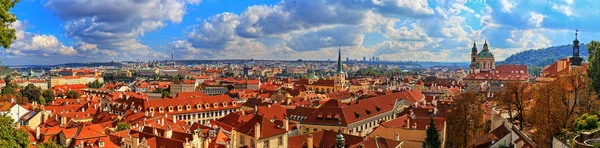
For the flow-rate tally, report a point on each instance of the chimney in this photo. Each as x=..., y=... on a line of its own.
x=37, y=133
x=286, y=123
x=168, y=133
x=162, y=121
x=269, y=105
x=63, y=120
x=397, y=137
x=309, y=141
x=174, y=119
x=257, y=130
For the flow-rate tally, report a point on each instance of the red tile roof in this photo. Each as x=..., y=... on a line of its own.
x=267, y=128
x=322, y=139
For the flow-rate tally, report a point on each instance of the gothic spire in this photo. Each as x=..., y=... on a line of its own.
x=339, y=68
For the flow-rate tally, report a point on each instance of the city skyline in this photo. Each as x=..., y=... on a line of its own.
x=55, y=32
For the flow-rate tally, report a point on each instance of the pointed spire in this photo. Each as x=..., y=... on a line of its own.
x=339, y=68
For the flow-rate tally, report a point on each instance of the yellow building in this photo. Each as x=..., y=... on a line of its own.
x=67, y=80
x=260, y=132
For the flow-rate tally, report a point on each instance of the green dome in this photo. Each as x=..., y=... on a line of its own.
x=485, y=54
x=313, y=77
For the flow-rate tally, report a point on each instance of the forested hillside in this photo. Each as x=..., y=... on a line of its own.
x=544, y=56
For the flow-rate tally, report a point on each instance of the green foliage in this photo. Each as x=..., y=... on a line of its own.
x=95, y=84
x=11, y=137
x=48, y=95
x=122, y=126
x=586, y=122
x=433, y=137
x=73, y=94
x=593, y=68
x=32, y=93
x=7, y=34
x=9, y=90
x=597, y=145
x=543, y=57
x=165, y=94
x=49, y=144
x=60, y=95
x=5, y=71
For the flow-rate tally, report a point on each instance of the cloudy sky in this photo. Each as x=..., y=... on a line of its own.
x=60, y=31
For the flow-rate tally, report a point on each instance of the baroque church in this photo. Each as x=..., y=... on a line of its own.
x=483, y=61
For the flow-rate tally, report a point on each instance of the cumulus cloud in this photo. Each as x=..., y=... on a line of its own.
x=33, y=44
x=535, y=19
x=115, y=25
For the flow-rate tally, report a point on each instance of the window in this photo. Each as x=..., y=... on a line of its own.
x=280, y=141
x=266, y=144
x=241, y=140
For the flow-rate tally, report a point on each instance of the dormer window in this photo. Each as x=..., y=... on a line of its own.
x=215, y=104
x=161, y=109
x=356, y=115
x=233, y=103
x=170, y=108
x=188, y=107
x=206, y=105
x=179, y=108
x=224, y=104
x=151, y=109
x=198, y=106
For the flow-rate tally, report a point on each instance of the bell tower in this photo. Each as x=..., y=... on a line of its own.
x=576, y=59
x=473, y=65
x=340, y=76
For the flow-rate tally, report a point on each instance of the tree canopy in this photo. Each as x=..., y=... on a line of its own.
x=122, y=126
x=11, y=137
x=432, y=139
x=7, y=33
x=593, y=68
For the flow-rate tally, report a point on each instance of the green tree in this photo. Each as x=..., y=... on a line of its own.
x=7, y=34
x=9, y=90
x=433, y=137
x=165, y=94
x=122, y=126
x=593, y=69
x=49, y=144
x=48, y=95
x=73, y=94
x=95, y=84
x=32, y=93
x=11, y=137
x=586, y=122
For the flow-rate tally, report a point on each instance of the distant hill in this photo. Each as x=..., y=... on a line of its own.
x=544, y=56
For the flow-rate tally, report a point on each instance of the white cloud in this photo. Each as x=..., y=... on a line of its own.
x=507, y=5
x=566, y=10
x=536, y=19
x=115, y=25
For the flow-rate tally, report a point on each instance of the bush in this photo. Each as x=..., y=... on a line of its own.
x=586, y=122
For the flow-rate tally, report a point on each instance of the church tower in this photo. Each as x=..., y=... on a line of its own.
x=473, y=65
x=576, y=59
x=340, y=76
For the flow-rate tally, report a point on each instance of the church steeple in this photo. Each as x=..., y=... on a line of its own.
x=474, y=49
x=575, y=59
x=339, y=68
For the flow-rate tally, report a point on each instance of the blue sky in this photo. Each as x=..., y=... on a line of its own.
x=61, y=31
